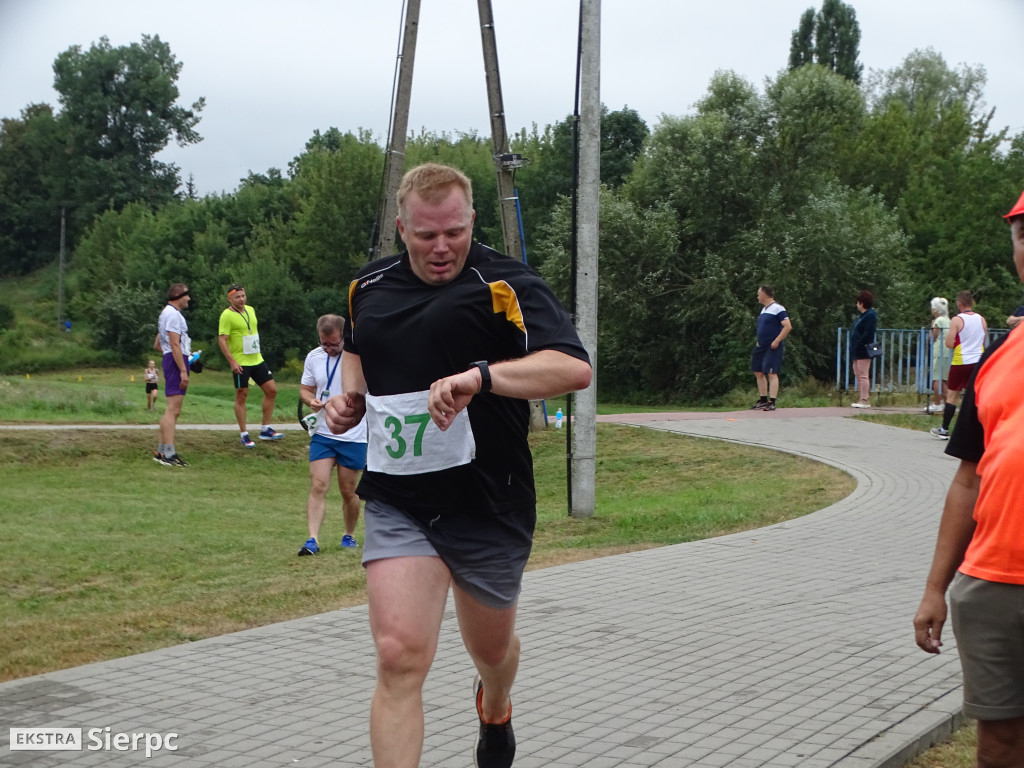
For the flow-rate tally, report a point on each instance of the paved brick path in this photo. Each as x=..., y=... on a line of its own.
x=786, y=646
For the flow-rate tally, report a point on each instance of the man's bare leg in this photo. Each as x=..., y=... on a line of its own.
x=406, y=597
x=762, y=384
x=347, y=481
x=316, y=503
x=1001, y=743
x=490, y=637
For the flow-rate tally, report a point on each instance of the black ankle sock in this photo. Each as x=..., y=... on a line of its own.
x=947, y=416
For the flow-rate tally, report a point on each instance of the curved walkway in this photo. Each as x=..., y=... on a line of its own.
x=785, y=646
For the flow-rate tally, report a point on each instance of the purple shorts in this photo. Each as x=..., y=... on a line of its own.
x=172, y=377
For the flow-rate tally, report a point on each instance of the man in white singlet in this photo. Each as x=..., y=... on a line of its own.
x=966, y=337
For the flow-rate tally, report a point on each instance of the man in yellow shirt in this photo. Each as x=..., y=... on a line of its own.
x=239, y=340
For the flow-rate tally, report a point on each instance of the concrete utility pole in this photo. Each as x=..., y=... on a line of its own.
x=584, y=432
x=394, y=164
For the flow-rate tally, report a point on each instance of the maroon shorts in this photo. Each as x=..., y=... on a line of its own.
x=172, y=377
x=959, y=375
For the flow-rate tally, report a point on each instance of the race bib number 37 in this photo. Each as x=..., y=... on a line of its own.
x=402, y=439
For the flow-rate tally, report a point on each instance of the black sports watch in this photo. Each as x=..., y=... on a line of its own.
x=485, y=375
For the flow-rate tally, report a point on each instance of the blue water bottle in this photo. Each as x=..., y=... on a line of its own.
x=558, y=419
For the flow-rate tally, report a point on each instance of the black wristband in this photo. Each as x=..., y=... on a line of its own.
x=485, y=375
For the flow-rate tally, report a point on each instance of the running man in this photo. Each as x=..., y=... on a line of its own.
x=445, y=345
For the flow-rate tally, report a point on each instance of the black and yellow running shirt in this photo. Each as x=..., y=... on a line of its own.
x=409, y=334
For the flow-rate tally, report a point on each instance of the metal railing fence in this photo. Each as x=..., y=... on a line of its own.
x=905, y=365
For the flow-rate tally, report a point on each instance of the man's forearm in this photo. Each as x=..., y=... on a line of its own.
x=352, y=379
x=543, y=374
x=956, y=527
x=222, y=342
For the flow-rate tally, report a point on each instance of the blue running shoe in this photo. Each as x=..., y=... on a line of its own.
x=269, y=433
x=309, y=548
x=244, y=440
x=349, y=542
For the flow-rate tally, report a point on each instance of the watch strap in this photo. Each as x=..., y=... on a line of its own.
x=485, y=375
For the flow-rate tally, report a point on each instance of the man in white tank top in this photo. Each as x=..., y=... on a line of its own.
x=966, y=337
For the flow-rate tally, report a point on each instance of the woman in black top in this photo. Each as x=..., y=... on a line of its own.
x=862, y=334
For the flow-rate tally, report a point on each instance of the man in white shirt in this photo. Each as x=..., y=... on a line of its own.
x=172, y=339
x=321, y=378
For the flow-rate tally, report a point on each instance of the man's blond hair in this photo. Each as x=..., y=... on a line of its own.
x=433, y=182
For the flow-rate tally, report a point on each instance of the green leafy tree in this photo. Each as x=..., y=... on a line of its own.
x=929, y=148
x=814, y=115
x=830, y=37
x=119, y=110
x=126, y=319
x=719, y=202
x=337, y=182
x=549, y=174
x=801, y=47
x=32, y=175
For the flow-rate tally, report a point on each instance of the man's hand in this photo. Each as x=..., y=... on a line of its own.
x=448, y=396
x=928, y=621
x=184, y=379
x=775, y=344
x=344, y=411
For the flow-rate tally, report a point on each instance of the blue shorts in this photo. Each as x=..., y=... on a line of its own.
x=765, y=359
x=345, y=453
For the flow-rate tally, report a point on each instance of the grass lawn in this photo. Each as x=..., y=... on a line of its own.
x=105, y=553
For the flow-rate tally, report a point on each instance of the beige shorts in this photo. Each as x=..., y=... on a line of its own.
x=988, y=621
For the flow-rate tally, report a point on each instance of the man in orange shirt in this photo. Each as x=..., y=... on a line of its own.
x=980, y=547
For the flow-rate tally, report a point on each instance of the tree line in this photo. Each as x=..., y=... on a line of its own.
x=822, y=182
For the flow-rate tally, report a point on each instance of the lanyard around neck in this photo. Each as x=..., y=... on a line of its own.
x=330, y=371
x=245, y=316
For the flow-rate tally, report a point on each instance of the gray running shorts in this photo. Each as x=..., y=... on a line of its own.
x=489, y=568
x=988, y=621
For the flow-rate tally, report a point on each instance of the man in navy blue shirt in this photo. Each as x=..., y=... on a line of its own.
x=773, y=326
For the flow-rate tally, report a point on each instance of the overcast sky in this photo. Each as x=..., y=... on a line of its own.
x=274, y=71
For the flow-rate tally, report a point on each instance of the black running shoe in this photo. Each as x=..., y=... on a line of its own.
x=160, y=459
x=768, y=407
x=496, y=744
x=175, y=461
x=759, y=405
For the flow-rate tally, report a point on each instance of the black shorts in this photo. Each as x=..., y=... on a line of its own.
x=259, y=373
x=151, y=387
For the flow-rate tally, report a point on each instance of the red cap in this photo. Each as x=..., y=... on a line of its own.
x=1017, y=210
